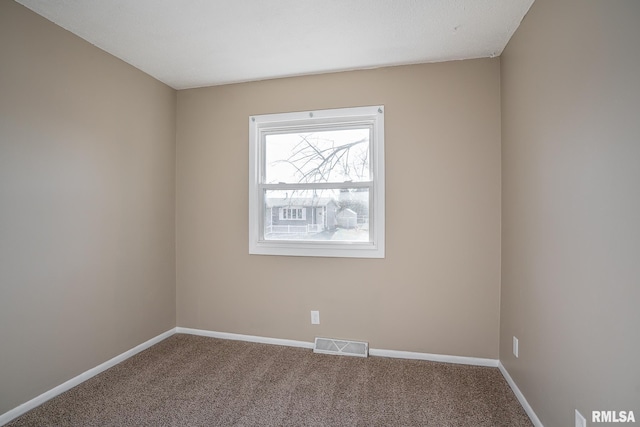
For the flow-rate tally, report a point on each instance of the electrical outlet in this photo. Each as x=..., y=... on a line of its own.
x=515, y=346
x=580, y=420
x=315, y=317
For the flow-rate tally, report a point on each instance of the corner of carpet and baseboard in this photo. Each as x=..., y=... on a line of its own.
x=523, y=401
x=23, y=408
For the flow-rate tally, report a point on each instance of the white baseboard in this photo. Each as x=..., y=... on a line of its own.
x=372, y=352
x=240, y=337
x=39, y=400
x=477, y=361
x=527, y=408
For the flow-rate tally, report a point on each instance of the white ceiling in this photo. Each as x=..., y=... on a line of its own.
x=193, y=43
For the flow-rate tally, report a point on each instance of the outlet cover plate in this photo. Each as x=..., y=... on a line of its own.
x=315, y=317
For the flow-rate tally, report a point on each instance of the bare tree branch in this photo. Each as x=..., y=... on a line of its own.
x=324, y=161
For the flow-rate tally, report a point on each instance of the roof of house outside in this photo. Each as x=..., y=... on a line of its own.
x=299, y=201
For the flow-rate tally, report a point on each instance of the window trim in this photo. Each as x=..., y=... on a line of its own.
x=260, y=125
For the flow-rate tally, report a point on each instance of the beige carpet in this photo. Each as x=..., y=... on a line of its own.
x=196, y=381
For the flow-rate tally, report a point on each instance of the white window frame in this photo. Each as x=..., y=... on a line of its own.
x=261, y=125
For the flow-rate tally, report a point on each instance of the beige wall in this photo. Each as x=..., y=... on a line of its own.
x=87, y=160
x=571, y=207
x=436, y=291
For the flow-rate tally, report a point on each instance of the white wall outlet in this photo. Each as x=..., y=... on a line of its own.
x=580, y=420
x=515, y=346
x=315, y=317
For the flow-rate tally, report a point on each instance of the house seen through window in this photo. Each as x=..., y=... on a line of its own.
x=317, y=183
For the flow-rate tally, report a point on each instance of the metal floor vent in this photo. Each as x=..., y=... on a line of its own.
x=343, y=347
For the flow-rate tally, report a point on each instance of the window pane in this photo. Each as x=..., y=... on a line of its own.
x=324, y=156
x=329, y=215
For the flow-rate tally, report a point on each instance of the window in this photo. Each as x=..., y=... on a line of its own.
x=316, y=183
x=293, y=213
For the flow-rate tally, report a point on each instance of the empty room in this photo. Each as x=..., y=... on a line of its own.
x=327, y=213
